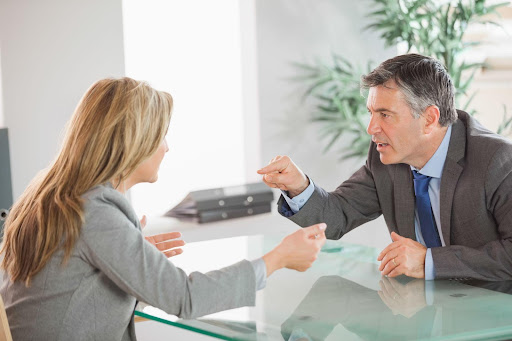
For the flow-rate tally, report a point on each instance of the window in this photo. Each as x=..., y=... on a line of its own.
x=191, y=49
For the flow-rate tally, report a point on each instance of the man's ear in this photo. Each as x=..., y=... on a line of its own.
x=431, y=115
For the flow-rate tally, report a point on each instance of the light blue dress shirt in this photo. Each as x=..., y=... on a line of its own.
x=433, y=168
x=300, y=200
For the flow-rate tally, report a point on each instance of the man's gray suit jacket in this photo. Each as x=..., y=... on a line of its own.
x=476, y=203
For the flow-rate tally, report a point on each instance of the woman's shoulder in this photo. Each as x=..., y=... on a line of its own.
x=104, y=205
x=104, y=192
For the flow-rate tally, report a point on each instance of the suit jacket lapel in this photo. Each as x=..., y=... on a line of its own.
x=451, y=173
x=404, y=201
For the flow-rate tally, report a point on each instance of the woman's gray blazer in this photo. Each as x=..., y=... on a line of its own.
x=112, y=266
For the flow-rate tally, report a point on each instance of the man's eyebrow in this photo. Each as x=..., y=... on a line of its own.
x=382, y=109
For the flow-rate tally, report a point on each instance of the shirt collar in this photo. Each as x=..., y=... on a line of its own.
x=434, y=166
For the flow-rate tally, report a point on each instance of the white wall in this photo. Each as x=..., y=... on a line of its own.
x=191, y=49
x=299, y=31
x=492, y=85
x=51, y=52
x=250, y=90
x=493, y=88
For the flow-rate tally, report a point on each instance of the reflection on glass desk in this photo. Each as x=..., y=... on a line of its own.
x=344, y=297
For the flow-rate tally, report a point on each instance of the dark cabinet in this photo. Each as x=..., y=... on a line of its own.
x=5, y=178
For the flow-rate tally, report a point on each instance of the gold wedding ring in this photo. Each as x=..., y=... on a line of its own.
x=394, y=262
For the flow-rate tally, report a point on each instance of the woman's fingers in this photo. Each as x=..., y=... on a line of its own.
x=171, y=253
x=170, y=244
x=158, y=238
x=167, y=243
x=143, y=221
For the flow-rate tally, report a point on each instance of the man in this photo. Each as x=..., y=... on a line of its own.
x=442, y=181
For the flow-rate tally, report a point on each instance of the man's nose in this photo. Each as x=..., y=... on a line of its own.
x=373, y=126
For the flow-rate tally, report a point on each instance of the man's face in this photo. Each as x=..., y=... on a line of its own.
x=399, y=136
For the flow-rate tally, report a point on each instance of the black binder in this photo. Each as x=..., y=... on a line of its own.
x=224, y=203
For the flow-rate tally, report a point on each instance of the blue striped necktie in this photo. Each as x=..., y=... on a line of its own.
x=427, y=223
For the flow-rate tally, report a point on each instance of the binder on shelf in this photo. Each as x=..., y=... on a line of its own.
x=224, y=214
x=216, y=204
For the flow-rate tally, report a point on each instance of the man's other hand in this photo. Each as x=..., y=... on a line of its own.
x=282, y=173
x=403, y=256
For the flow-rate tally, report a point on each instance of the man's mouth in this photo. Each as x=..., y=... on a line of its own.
x=380, y=145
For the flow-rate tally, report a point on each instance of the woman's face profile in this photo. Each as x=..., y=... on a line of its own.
x=147, y=171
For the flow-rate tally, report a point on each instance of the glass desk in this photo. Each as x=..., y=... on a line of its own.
x=344, y=297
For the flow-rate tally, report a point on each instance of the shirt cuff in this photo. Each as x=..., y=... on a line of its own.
x=300, y=200
x=430, y=272
x=260, y=272
x=430, y=287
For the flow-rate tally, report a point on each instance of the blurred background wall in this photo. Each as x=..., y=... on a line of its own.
x=51, y=52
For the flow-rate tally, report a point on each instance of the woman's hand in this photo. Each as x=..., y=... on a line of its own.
x=165, y=242
x=298, y=250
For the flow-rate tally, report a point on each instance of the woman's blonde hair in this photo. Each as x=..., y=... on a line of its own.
x=117, y=125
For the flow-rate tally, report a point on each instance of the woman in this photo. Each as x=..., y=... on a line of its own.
x=74, y=259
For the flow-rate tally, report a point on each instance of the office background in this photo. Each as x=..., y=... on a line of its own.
x=227, y=64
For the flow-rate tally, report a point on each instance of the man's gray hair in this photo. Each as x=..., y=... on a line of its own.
x=422, y=80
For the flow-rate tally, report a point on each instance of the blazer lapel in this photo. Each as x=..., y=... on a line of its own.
x=404, y=201
x=451, y=173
